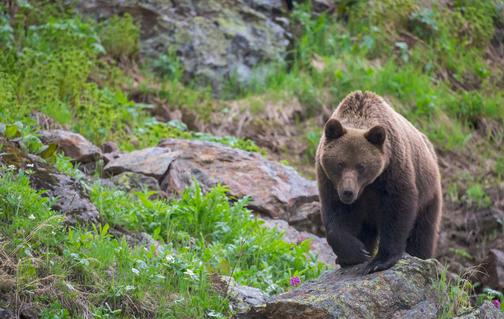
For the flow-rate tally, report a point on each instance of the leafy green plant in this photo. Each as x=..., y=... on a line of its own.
x=120, y=36
x=476, y=195
x=313, y=138
x=456, y=293
x=489, y=294
x=216, y=229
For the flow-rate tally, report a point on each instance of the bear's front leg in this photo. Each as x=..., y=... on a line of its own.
x=400, y=210
x=342, y=225
x=348, y=248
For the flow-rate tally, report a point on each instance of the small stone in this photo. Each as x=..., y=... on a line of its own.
x=319, y=245
x=242, y=298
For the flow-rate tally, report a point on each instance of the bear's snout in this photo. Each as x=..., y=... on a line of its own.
x=348, y=190
x=347, y=195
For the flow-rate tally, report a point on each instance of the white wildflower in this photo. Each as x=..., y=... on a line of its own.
x=135, y=271
x=191, y=274
x=170, y=259
x=215, y=314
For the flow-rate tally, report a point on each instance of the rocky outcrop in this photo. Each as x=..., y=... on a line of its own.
x=212, y=38
x=275, y=190
x=404, y=291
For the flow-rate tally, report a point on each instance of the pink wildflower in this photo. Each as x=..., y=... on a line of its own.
x=295, y=281
x=495, y=302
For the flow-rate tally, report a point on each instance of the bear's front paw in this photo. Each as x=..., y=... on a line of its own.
x=379, y=264
x=358, y=257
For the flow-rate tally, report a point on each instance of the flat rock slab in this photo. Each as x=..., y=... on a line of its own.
x=404, y=291
x=152, y=161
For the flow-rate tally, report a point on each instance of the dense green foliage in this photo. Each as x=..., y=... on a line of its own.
x=198, y=235
x=49, y=69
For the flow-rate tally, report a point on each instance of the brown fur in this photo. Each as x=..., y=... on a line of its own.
x=379, y=182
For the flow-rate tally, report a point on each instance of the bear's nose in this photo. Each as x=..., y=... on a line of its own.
x=347, y=193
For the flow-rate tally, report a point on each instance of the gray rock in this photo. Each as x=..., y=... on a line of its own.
x=72, y=144
x=485, y=311
x=129, y=181
x=213, y=39
x=404, y=291
x=241, y=298
x=152, y=161
x=5, y=314
x=484, y=221
x=71, y=199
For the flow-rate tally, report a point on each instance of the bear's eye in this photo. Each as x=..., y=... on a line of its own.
x=340, y=165
x=361, y=168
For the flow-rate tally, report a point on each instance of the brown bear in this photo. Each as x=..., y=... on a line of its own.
x=379, y=184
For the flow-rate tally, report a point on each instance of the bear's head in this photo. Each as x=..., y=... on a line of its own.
x=352, y=158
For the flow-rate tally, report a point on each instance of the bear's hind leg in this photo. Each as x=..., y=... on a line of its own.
x=422, y=241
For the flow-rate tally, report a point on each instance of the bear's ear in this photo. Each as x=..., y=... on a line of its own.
x=333, y=129
x=376, y=135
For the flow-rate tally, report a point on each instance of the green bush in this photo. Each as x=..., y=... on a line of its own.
x=215, y=230
x=120, y=36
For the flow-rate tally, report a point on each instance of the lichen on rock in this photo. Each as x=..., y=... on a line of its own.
x=404, y=291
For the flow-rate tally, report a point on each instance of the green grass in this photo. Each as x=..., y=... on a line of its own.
x=72, y=271
x=476, y=196
x=440, y=87
x=455, y=294
x=48, y=70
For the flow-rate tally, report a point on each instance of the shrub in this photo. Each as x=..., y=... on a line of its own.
x=120, y=36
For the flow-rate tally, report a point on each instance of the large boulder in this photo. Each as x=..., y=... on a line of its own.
x=276, y=191
x=212, y=38
x=72, y=144
x=404, y=291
